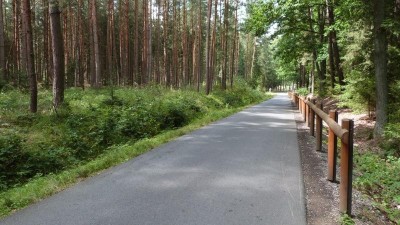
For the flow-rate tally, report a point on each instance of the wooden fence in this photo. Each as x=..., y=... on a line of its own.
x=314, y=116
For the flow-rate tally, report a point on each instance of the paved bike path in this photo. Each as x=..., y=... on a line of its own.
x=242, y=170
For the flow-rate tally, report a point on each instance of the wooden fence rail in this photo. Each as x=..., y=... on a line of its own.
x=313, y=115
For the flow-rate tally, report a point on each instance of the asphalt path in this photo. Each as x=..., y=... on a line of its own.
x=243, y=170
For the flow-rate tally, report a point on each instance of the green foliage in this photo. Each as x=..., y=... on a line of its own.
x=94, y=121
x=302, y=91
x=346, y=220
x=380, y=179
x=391, y=144
x=359, y=92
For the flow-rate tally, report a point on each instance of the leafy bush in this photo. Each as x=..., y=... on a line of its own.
x=392, y=139
x=12, y=160
x=302, y=91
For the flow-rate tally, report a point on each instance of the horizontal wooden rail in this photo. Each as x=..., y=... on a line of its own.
x=336, y=128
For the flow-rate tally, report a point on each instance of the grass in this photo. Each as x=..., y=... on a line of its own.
x=41, y=186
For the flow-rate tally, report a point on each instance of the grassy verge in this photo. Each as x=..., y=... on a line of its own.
x=42, y=185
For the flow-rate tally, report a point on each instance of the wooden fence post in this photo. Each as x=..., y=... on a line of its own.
x=318, y=145
x=308, y=113
x=332, y=149
x=312, y=119
x=346, y=169
x=304, y=111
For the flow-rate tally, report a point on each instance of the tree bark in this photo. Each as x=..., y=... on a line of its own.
x=3, y=69
x=30, y=59
x=335, y=46
x=208, y=61
x=199, y=61
x=97, y=62
x=58, y=53
x=225, y=50
x=233, y=70
x=380, y=61
x=167, y=71
x=110, y=41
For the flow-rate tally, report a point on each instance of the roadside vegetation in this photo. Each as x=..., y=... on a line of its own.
x=94, y=129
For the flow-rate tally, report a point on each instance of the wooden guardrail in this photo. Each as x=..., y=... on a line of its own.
x=314, y=116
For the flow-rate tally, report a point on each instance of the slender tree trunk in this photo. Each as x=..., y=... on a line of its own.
x=234, y=44
x=16, y=43
x=199, y=61
x=58, y=53
x=208, y=62
x=332, y=67
x=322, y=41
x=214, y=54
x=124, y=41
x=136, y=44
x=145, y=44
x=95, y=35
x=30, y=59
x=380, y=61
x=166, y=42
x=23, y=53
x=110, y=41
x=150, y=41
x=253, y=56
x=225, y=50
x=3, y=69
x=185, y=73
x=335, y=46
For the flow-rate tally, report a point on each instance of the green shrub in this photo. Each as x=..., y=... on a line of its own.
x=13, y=160
x=391, y=144
x=302, y=91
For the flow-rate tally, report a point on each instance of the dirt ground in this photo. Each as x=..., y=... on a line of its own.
x=322, y=195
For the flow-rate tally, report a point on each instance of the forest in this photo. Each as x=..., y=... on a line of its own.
x=85, y=85
x=82, y=81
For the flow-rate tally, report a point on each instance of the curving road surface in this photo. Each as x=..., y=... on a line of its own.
x=241, y=170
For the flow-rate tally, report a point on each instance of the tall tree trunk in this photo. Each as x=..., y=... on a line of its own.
x=150, y=41
x=30, y=59
x=322, y=41
x=234, y=44
x=185, y=72
x=110, y=41
x=58, y=53
x=22, y=43
x=145, y=44
x=16, y=42
x=96, y=46
x=208, y=61
x=124, y=41
x=225, y=50
x=136, y=44
x=199, y=61
x=3, y=69
x=335, y=46
x=167, y=71
x=175, y=46
x=380, y=61
x=332, y=67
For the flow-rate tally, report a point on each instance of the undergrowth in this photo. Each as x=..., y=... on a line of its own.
x=95, y=129
x=378, y=177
